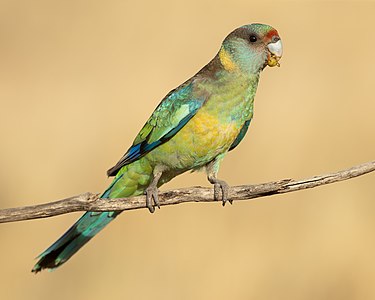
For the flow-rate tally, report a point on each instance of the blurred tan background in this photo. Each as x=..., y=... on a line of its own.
x=78, y=79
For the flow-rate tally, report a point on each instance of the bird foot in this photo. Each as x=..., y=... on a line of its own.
x=152, y=198
x=223, y=187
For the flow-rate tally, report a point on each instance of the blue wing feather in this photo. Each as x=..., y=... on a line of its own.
x=182, y=96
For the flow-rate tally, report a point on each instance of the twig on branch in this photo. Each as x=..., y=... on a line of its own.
x=91, y=202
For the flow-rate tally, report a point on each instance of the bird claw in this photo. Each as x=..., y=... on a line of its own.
x=221, y=185
x=152, y=198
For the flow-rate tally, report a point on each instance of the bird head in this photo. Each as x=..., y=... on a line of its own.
x=251, y=48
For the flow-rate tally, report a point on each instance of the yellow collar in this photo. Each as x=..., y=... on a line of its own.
x=226, y=60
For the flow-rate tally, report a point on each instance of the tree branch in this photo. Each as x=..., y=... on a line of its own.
x=91, y=202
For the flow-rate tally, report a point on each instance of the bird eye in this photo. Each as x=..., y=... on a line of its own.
x=253, y=38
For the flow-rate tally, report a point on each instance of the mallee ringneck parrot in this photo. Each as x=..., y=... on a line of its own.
x=193, y=128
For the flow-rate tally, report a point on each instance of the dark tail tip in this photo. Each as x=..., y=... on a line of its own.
x=73, y=240
x=49, y=260
x=45, y=263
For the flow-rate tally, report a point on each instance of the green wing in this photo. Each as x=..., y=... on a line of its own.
x=175, y=110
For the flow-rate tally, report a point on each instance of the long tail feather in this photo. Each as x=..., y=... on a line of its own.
x=131, y=180
x=76, y=237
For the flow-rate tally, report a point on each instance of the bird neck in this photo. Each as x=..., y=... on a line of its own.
x=232, y=91
x=223, y=65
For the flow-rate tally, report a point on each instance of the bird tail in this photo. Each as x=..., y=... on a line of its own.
x=72, y=240
x=91, y=222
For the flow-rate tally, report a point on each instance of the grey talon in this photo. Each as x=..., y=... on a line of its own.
x=149, y=201
x=152, y=193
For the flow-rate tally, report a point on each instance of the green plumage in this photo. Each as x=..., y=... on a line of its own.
x=192, y=128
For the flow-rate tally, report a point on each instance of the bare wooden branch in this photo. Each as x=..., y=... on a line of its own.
x=91, y=202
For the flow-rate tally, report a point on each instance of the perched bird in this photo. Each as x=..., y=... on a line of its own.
x=193, y=128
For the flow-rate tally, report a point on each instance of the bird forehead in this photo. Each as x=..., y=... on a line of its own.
x=273, y=32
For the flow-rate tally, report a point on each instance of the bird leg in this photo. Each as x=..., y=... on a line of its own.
x=212, y=169
x=220, y=185
x=152, y=193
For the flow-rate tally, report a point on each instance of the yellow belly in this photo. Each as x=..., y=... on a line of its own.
x=197, y=143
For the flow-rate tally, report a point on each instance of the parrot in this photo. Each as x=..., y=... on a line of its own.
x=192, y=129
